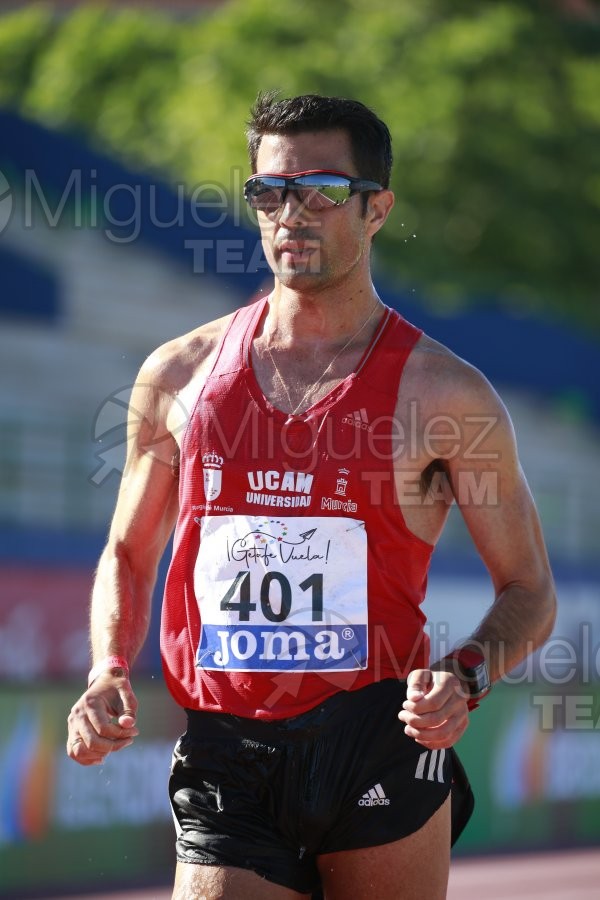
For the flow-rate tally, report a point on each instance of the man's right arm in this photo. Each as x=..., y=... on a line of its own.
x=103, y=719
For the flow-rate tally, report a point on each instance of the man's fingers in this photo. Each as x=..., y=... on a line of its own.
x=101, y=722
x=111, y=713
x=95, y=742
x=78, y=751
x=434, y=713
x=128, y=707
x=418, y=684
x=127, y=720
x=73, y=745
x=95, y=754
x=98, y=721
x=436, y=741
x=435, y=730
x=443, y=691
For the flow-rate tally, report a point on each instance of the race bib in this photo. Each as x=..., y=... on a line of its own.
x=280, y=595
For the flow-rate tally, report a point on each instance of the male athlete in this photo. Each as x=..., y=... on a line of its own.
x=326, y=440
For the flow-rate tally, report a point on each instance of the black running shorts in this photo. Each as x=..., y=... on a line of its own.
x=272, y=795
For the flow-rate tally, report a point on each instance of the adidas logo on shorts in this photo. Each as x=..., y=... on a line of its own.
x=430, y=766
x=374, y=797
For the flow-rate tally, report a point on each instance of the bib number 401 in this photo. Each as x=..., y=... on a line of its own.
x=271, y=583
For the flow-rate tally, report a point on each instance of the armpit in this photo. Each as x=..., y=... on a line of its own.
x=434, y=468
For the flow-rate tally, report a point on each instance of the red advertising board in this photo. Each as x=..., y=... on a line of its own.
x=44, y=613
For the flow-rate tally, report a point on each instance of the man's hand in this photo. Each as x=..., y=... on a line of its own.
x=435, y=710
x=102, y=720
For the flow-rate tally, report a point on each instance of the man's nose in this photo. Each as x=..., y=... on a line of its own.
x=293, y=209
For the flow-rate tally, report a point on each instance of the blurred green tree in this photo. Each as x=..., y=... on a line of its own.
x=493, y=109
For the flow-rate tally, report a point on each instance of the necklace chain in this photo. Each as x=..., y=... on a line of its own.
x=313, y=388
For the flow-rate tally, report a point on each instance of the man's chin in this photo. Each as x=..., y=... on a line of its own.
x=300, y=267
x=297, y=278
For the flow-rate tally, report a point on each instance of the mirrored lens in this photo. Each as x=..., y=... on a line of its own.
x=263, y=196
x=326, y=189
x=329, y=194
x=314, y=191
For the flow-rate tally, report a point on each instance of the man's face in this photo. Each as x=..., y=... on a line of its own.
x=311, y=249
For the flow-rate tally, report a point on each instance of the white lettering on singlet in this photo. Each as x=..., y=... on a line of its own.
x=272, y=480
x=277, y=500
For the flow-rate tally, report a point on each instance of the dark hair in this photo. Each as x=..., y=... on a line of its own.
x=370, y=140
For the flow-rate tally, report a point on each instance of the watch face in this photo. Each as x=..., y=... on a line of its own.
x=473, y=671
x=478, y=678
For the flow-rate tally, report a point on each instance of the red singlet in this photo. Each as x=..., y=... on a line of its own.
x=293, y=574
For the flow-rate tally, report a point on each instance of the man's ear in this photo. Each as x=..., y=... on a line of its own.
x=379, y=206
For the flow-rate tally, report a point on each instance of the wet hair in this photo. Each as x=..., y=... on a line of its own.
x=370, y=140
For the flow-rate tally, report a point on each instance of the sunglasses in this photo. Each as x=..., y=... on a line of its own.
x=316, y=189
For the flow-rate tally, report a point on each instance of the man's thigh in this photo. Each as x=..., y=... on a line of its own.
x=409, y=869
x=199, y=882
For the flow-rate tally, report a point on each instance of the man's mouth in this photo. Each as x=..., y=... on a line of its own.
x=297, y=251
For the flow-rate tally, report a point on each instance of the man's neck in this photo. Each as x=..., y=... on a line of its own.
x=317, y=316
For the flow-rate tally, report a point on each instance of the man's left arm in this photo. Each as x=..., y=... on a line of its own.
x=500, y=514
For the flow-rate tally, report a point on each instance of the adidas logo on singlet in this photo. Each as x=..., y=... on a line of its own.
x=358, y=419
x=374, y=797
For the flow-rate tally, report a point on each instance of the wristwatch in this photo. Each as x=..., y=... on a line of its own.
x=470, y=666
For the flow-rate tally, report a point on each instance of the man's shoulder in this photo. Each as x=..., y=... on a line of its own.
x=436, y=372
x=433, y=359
x=174, y=363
